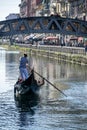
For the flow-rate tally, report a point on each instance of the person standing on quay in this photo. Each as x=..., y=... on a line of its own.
x=23, y=67
x=85, y=48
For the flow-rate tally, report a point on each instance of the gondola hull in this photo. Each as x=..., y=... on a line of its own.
x=27, y=87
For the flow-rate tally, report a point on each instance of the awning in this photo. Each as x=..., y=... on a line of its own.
x=29, y=36
x=80, y=38
x=51, y=38
x=38, y=37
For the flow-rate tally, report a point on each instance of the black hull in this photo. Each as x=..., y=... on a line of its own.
x=25, y=103
x=27, y=87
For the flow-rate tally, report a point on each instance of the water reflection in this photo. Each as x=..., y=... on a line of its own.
x=51, y=110
x=2, y=69
x=24, y=120
x=26, y=106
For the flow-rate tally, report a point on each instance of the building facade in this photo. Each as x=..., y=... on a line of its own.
x=25, y=8
x=65, y=8
x=78, y=9
x=28, y=8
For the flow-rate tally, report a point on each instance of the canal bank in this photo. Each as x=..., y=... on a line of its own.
x=74, y=55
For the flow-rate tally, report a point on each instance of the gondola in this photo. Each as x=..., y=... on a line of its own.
x=27, y=87
x=27, y=102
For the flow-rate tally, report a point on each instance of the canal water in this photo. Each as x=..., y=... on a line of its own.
x=51, y=109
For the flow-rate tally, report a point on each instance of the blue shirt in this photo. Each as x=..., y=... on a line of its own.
x=23, y=62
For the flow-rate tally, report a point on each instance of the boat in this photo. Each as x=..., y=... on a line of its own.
x=27, y=87
x=27, y=102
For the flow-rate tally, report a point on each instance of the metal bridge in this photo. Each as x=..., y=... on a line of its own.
x=51, y=24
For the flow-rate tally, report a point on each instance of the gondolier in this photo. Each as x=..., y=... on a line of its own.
x=23, y=67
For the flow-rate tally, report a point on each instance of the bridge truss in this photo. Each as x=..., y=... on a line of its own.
x=52, y=24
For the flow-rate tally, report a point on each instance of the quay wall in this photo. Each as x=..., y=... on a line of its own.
x=70, y=54
x=63, y=49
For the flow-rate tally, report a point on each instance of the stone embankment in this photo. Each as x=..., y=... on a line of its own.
x=70, y=54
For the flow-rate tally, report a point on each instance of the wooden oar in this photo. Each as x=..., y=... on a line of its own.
x=49, y=83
